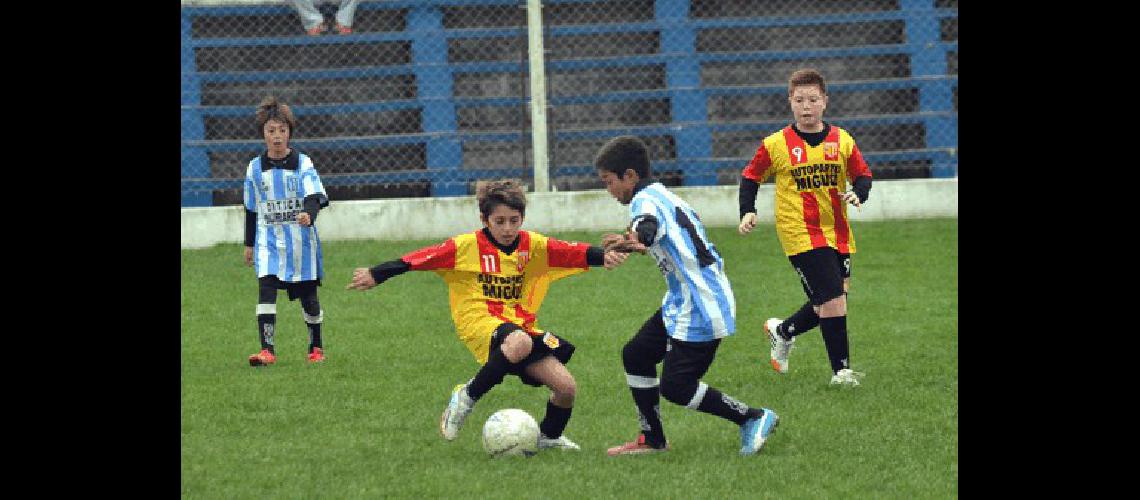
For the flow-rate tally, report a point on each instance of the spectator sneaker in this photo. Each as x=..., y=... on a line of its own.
x=317, y=30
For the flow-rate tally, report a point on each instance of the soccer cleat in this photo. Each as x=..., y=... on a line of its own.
x=343, y=30
x=780, y=346
x=754, y=433
x=457, y=410
x=635, y=448
x=846, y=377
x=263, y=358
x=317, y=356
x=561, y=442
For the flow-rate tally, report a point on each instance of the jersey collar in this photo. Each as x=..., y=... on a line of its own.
x=292, y=161
x=505, y=249
x=641, y=184
x=813, y=139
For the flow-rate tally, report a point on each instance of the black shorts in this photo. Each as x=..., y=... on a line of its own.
x=539, y=349
x=822, y=271
x=685, y=362
x=293, y=290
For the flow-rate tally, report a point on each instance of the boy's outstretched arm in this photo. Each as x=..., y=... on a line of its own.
x=441, y=256
x=364, y=278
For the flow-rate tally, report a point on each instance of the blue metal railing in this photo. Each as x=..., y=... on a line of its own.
x=690, y=127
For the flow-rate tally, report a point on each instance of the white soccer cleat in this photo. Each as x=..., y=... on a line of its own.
x=562, y=442
x=846, y=377
x=780, y=346
x=456, y=412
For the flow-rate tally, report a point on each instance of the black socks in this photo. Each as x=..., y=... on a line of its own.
x=835, y=339
x=490, y=375
x=803, y=320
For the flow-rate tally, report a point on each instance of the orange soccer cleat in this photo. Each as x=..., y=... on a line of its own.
x=635, y=447
x=317, y=356
x=263, y=358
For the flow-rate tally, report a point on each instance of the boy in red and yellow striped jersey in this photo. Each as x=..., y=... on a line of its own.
x=812, y=162
x=497, y=278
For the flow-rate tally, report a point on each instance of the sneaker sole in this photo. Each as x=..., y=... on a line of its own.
x=771, y=358
x=638, y=451
x=443, y=424
x=442, y=421
x=770, y=432
x=776, y=366
x=443, y=417
x=563, y=448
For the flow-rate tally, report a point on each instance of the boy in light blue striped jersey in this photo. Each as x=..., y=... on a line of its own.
x=283, y=194
x=698, y=309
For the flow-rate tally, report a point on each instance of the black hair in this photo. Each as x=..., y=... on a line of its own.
x=621, y=153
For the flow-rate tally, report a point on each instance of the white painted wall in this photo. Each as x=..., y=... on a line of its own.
x=551, y=213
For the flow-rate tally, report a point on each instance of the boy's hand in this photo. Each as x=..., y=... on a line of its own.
x=611, y=239
x=248, y=256
x=614, y=259
x=623, y=243
x=747, y=223
x=361, y=279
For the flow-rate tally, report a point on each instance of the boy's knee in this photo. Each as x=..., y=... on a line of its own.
x=516, y=346
x=632, y=355
x=570, y=389
x=677, y=393
x=565, y=393
x=834, y=307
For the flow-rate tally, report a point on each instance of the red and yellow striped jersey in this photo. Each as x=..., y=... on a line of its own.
x=809, y=180
x=487, y=287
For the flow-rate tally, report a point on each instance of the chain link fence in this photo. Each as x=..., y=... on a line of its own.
x=424, y=98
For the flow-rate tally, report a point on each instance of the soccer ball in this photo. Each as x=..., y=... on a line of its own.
x=510, y=432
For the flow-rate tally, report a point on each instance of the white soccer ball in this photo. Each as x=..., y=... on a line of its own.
x=510, y=432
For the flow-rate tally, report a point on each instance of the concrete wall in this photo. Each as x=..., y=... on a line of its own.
x=551, y=213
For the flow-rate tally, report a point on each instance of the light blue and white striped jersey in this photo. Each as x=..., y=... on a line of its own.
x=699, y=305
x=282, y=246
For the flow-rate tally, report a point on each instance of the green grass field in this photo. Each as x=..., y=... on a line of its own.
x=364, y=423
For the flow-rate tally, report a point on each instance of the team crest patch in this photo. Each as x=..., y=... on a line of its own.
x=550, y=340
x=831, y=150
x=523, y=258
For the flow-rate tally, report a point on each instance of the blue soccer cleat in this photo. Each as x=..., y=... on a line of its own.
x=754, y=433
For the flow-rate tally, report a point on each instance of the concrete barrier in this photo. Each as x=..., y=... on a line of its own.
x=551, y=213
